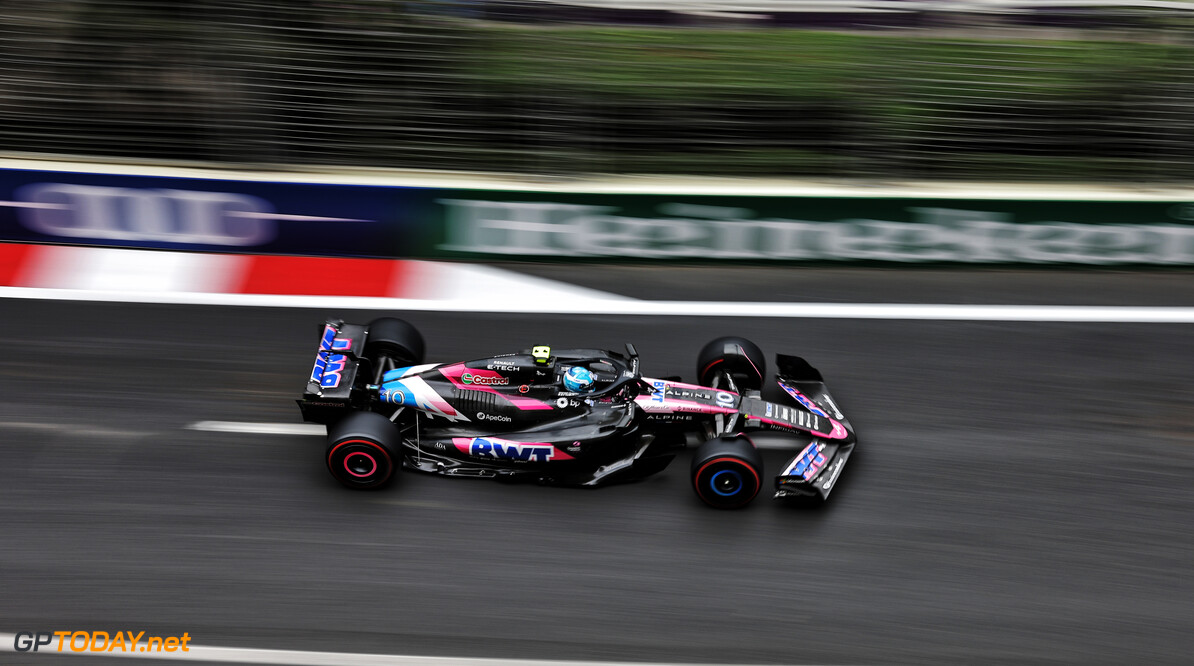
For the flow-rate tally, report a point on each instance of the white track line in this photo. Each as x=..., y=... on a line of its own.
x=602, y=306
x=260, y=428
x=305, y=658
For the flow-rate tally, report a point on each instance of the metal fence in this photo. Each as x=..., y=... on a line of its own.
x=924, y=90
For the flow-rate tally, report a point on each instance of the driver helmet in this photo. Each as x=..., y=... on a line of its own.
x=579, y=379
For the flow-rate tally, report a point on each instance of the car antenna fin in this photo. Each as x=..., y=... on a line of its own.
x=631, y=350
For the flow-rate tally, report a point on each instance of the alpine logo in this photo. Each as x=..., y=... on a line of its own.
x=497, y=449
x=478, y=380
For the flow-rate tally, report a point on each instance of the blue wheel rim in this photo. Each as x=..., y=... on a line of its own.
x=734, y=480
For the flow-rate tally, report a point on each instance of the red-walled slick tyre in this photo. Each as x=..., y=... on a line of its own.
x=364, y=450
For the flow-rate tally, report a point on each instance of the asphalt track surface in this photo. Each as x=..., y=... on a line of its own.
x=903, y=284
x=1021, y=494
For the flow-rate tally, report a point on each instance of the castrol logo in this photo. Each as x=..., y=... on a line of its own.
x=477, y=380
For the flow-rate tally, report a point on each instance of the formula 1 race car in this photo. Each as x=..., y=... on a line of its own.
x=582, y=417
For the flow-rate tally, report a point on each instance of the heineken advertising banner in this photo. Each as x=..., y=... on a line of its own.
x=816, y=229
x=178, y=210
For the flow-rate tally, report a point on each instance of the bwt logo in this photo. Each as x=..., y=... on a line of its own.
x=660, y=390
x=485, y=448
x=329, y=341
x=329, y=369
x=520, y=452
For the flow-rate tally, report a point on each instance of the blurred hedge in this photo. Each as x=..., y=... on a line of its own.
x=796, y=102
x=395, y=84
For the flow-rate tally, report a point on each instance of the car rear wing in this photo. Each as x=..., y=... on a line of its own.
x=329, y=391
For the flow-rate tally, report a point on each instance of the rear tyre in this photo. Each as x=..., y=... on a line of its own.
x=727, y=472
x=364, y=449
x=738, y=357
x=395, y=339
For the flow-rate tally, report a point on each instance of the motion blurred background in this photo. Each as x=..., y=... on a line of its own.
x=1021, y=490
x=889, y=89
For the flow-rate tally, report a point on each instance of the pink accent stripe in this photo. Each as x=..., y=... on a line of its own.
x=752, y=363
x=839, y=431
x=424, y=392
x=557, y=454
x=684, y=406
x=454, y=372
x=360, y=453
x=526, y=404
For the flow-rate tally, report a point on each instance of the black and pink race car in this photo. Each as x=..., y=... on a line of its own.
x=582, y=417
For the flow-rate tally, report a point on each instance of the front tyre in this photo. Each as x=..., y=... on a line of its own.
x=727, y=472
x=364, y=449
x=737, y=357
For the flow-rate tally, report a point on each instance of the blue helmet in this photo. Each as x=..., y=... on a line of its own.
x=579, y=379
